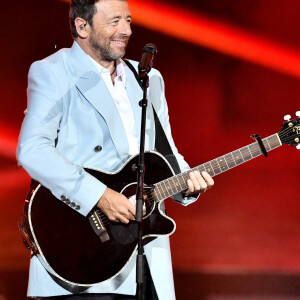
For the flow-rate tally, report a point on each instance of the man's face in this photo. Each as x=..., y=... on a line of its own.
x=111, y=30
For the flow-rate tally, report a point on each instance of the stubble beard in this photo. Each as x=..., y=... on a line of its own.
x=104, y=52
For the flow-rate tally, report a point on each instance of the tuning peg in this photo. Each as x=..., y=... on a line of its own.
x=298, y=113
x=287, y=117
x=298, y=147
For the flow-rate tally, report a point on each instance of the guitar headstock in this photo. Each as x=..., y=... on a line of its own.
x=290, y=131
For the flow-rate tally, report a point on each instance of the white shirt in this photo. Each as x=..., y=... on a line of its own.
x=119, y=94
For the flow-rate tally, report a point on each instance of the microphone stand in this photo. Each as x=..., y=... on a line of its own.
x=144, y=80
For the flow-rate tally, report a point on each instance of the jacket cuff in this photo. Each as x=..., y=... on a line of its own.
x=87, y=194
x=185, y=200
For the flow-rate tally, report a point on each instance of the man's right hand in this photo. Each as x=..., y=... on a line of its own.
x=116, y=206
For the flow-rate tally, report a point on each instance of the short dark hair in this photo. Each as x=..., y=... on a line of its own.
x=84, y=9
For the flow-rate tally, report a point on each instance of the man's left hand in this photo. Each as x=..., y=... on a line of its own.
x=198, y=183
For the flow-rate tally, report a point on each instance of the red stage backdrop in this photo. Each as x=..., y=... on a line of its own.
x=249, y=222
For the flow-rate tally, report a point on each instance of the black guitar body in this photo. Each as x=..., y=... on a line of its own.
x=69, y=246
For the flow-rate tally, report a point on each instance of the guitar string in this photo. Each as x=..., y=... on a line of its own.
x=106, y=221
x=285, y=131
x=221, y=164
x=150, y=195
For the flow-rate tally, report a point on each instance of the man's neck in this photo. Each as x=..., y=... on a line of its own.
x=110, y=65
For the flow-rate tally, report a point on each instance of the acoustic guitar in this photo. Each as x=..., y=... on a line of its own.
x=83, y=251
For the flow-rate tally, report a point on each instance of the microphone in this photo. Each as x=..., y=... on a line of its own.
x=148, y=54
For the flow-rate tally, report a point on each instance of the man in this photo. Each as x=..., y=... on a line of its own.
x=83, y=111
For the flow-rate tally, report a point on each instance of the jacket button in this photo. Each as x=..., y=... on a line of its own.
x=72, y=204
x=98, y=148
x=77, y=207
x=67, y=201
x=63, y=198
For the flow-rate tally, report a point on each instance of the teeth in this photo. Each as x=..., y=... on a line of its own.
x=119, y=42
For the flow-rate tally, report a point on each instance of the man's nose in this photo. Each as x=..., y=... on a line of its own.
x=125, y=28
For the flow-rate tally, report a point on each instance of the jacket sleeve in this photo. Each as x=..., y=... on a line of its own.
x=157, y=96
x=36, y=151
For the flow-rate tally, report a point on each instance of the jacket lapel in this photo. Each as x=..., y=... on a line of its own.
x=93, y=88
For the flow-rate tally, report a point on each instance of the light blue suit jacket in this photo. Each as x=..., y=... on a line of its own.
x=70, y=112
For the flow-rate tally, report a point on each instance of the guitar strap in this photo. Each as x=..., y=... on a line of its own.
x=161, y=142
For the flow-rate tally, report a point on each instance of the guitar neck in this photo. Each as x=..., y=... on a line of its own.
x=178, y=183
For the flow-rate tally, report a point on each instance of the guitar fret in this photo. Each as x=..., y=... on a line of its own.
x=179, y=180
x=218, y=164
x=224, y=157
x=230, y=160
x=172, y=185
x=178, y=183
x=216, y=169
x=237, y=157
x=201, y=168
x=255, y=150
x=166, y=189
x=241, y=155
x=222, y=165
x=184, y=178
x=212, y=168
x=175, y=184
x=208, y=169
x=275, y=141
x=268, y=145
x=183, y=183
x=163, y=190
x=245, y=153
x=170, y=188
x=250, y=151
x=157, y=190
x=233, y=160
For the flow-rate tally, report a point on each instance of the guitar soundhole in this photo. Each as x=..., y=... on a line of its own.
x=127, y=233
x=130, y=192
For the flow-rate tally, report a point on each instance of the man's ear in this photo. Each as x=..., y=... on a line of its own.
x=81, y=27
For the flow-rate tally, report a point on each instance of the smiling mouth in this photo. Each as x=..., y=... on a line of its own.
x=122, y=42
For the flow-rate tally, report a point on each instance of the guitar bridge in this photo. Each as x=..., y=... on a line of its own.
x=97, y=225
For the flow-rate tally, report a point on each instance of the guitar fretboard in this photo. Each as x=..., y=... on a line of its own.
x=178, y=183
